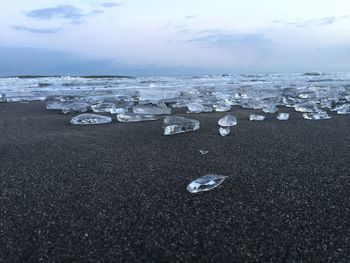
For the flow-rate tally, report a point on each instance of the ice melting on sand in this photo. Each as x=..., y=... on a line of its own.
x=175, y=124
x=224, y=131
x=205, y=183
x=151, y=109
x=283, y=116
x=132, y=117
x=228, y=121
x=85, y=119
x=321, y=115
x=255, y=117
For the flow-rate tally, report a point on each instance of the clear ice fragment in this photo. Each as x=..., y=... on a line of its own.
x=175, y=124
x=270, y=109
x=132, y=117
x=224, y=131
x=153, y=110
x=196, y=107
x=85, y=119
x=309, y=106
x=255, y=117
x=228, y=121
x=205, y=183
x=203, y=152
x=283, y=116
x=103, y=107
x=75, y=107
x=222, y=107
x=321, y=115
x=345, y=109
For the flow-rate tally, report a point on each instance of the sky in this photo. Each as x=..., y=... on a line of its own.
x=167, y=37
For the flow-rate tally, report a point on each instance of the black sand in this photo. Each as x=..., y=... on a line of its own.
x=118, y=192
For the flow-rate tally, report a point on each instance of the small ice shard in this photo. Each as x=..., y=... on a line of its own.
x=283, y=116
x=224, y=131
x=309, y=106
x=3, y=97
x=117, y=110
x=228, y=121
x=344, y=109
x=222, y=107
x=103, y=107
x=84, y=119
x=205, y=183
x=151, y=109
x=321, y=115
x=75, y=107
x=132, y=117
x=195, y=107
x=270, y=109
x=175, y=124
x=255, y=117
x=203, y=152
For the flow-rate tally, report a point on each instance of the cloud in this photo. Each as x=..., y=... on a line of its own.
x=318, y=22
x=228, y=39
x=110, y=4
x=37, y=30
x=67, y=12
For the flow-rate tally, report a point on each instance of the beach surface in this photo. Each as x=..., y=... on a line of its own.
x=117, y=192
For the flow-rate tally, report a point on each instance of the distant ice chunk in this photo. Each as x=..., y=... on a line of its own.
x=151, y=109
x=3, y=97
x=132, y=117
x=344, y=109
x=107, y=107
x=75, y=107
x=228, y=121
x=321, y=115
x=309, y=106
x=270, y=109
x=283, y=116
x=85, y=119
x=255, y=117
x=206, y=183
x=224, y=131
x=195, y=107
x=175, y=124
x=222, y=107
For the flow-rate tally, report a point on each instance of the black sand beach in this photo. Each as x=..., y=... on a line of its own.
x=117, y=192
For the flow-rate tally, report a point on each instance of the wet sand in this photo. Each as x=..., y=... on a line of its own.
x=117, y=192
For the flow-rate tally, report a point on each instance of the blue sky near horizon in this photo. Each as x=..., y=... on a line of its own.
x=173, y=37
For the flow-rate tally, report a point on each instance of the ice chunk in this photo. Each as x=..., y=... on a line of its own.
x=196, y=107
x=75, y=107
x=228, y=120
x=222, y=107
x=224, y=131
x=203, y=152
x=309, y=106
x=270, y=109
x=205, y=183
x=84, y=119
x=3, y=97
x=151, y=109
x=175, y=124
x=103, y=107
x=118, y=110
x=132, y=117
x=255, y=117
x=283, y=116
x=344, y=109
x=321, y=115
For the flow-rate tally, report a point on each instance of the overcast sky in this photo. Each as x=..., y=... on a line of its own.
x=173, y=37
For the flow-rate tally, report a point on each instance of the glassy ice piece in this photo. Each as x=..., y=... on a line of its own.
x=270, y=109
x=203, y=152
x=3, y=97
x=309, y=106
x=103, y=107
x=118, y=110
x=224, y=131
x=75, y=107
x=151, y=109
x=255, y=117
x=175, y=124
x=205, y=183
x=321, y=115
x=228, y=121
x=345, y=109
x=283, y=116
x=84, y=119
x=222, y=107
x=132, y=117
x=195, y=107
